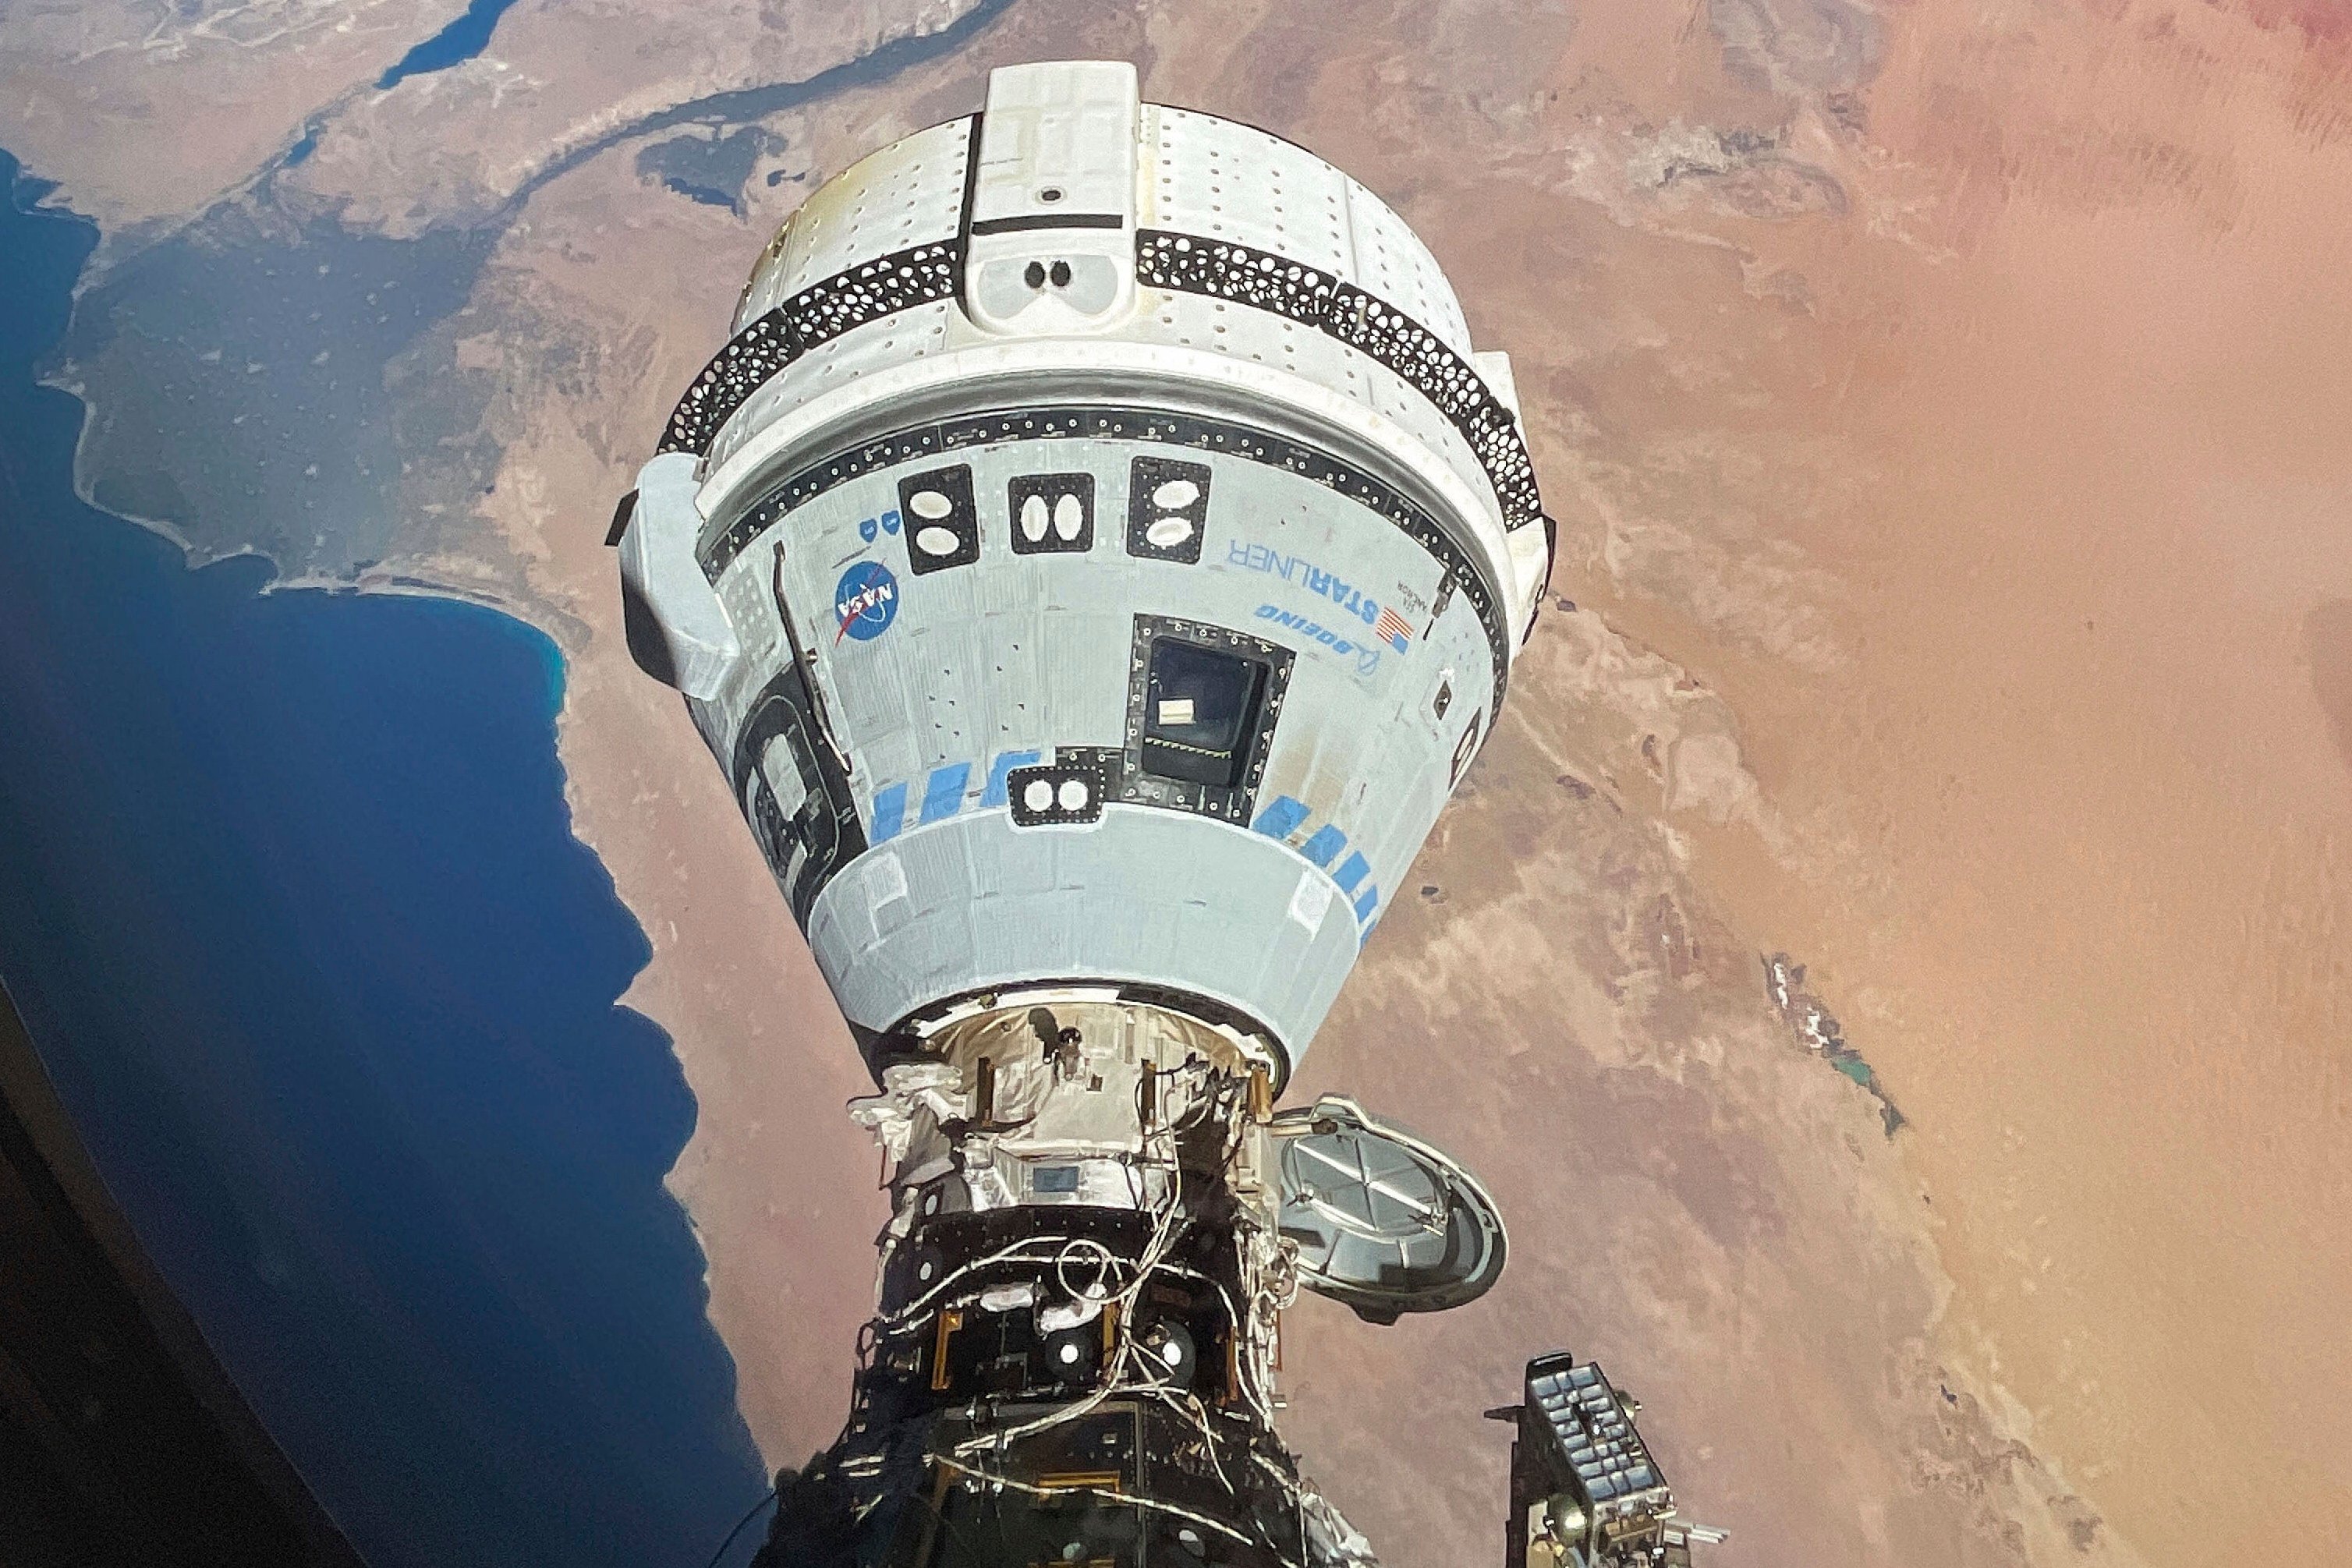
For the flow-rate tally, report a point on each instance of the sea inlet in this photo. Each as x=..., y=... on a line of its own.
x=293, y=909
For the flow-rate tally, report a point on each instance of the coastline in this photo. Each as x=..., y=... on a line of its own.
x=1946, y=1464
x=786, y=1281
x=502, y=568
x=578, y=652
x=191, y=942
x=1766, y=728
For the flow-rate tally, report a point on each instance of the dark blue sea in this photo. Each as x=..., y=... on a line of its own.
x=289, y=898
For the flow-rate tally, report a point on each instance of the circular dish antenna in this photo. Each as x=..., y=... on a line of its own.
x=1383, y=1222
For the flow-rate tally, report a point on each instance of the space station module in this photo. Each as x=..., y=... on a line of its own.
x=1094, y=559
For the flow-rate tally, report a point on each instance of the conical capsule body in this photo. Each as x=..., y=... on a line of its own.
x=1095, y=558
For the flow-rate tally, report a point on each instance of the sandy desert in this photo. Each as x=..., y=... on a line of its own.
x=1945, y=410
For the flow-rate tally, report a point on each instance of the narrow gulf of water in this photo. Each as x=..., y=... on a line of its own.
x=466, y=35
x=289, y=898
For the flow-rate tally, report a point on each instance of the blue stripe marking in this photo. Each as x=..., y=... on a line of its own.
x=1325, y=846
x=1281, y=819
x=943, y=793
x=1368, y=901
x=890, y=812
x=1352, y=870
x=1006, y=762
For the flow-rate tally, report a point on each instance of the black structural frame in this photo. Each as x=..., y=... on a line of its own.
x=1127, y=424
x=1189, y=264
x=825, y=827
x=1138, y=784
x=1224, y=270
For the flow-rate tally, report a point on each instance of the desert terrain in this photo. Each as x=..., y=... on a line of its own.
x=1944, y=408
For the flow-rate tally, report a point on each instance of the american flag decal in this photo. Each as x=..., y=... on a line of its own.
x=1393, y=628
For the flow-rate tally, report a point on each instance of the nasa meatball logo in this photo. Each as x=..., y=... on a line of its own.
x=866, y=600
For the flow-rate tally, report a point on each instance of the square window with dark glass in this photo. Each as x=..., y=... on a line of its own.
x=1201, y=711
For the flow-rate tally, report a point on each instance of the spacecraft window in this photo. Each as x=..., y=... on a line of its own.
x=1052, y=512
x=1167, y=509
x=942, y=523
x=1201, y=711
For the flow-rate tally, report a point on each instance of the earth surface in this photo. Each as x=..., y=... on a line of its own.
x=1894, y=963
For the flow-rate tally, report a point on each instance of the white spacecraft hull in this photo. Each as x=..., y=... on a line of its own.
x=1015, y=407
x=1095, y=561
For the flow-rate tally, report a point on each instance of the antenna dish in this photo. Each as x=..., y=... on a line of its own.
x=1384, y=1223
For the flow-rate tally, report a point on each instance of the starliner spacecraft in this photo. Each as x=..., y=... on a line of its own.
x=1094, y=559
